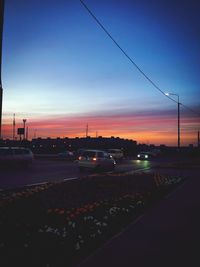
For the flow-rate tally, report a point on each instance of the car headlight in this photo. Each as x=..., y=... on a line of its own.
x=138, y=155
x=146, y=156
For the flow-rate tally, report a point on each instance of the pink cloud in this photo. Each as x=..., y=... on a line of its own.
x=153, y=127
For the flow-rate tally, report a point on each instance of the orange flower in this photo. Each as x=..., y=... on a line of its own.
x=72, y=216
x=62, y=211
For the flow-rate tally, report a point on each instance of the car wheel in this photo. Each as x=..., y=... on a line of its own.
x=112, y=167
x=98, y=168
x=81, y=169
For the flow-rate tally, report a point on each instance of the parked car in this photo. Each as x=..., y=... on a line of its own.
x=96, y=160
x=117, y=154
x=16, y=156
x=69, y=155
x=145, y=155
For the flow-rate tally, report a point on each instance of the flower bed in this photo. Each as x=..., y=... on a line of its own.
x=58, y=224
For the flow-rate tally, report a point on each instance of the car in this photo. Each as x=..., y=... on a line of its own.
x=69, y=155
x=79, y=152
x=117, y=154
x=145, y=155
x=15, y=156
x=97, y=160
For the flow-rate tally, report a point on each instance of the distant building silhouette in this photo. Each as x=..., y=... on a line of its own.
x=54, y=145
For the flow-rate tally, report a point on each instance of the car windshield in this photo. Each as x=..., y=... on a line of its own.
x=114, y=151
x=89, y=154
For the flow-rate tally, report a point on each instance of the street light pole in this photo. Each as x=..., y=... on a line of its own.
x=178, y=123
x=1, y=37
x=24, y=121
x=178, y=143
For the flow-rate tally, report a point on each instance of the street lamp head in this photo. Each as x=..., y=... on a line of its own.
x=168, y=94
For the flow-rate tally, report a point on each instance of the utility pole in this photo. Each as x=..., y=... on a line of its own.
x=87, y=130
x=178, y=124
x=14, y=126
x=1, y=38
x=24, y=121
x=26, y=133
x=35, y=133
x=198, y=141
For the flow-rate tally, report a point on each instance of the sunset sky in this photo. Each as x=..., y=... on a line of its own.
x=61, y=71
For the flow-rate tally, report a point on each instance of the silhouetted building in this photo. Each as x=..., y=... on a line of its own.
x=55, y=145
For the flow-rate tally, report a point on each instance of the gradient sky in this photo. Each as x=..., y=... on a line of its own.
x=61, y=71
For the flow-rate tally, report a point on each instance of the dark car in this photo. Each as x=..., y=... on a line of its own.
x=15, y=156
x=145, y=155
x=69, y=155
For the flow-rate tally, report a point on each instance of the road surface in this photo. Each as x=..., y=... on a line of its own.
x=49, y=170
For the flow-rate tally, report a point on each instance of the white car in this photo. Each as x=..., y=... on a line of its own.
x=15, y=155
x=96, y=160
x=117, y=154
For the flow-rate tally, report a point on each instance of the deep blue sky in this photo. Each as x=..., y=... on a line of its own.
x=58, y=63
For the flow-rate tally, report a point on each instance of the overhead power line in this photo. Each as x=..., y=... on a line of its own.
x=192, y=110
x=130, y=59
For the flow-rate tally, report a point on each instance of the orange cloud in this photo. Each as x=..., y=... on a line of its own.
x=144, y=127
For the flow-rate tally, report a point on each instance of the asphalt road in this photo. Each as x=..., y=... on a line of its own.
x=48, y=170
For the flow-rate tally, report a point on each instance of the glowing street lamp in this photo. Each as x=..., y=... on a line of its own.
x=168, y=94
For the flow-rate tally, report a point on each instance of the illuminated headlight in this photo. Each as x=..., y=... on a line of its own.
x=146, y=156
x=138, y=155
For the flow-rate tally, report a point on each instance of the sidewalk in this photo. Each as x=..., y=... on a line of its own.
x=166, y=235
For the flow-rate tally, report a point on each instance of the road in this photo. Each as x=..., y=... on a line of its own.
x=49, y=170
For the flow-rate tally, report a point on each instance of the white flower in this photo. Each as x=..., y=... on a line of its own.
x=77, y=247
x=93, y=235
x=99, y=232
x=64, y=234
x=49, y=229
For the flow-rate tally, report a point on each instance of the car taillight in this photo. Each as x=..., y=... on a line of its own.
x=80, y=158
x=94, y=159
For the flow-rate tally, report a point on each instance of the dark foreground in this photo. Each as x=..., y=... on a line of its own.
x=60, y=224
x=167, y=235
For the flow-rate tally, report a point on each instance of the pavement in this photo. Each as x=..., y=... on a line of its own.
x=168, y=234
